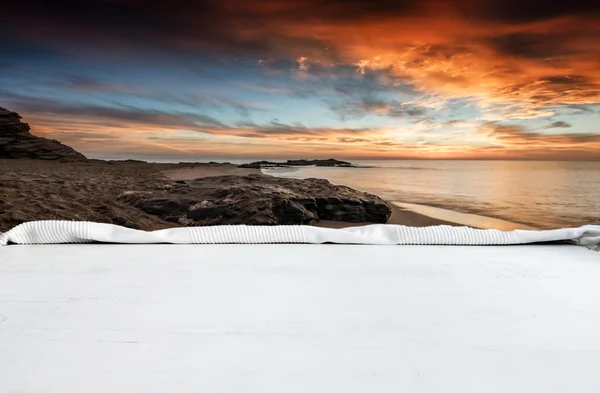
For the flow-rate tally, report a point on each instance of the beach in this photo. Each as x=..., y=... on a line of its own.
x=43, y=179
x=87, y=191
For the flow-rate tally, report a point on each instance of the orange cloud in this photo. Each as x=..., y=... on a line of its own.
x=515, y=71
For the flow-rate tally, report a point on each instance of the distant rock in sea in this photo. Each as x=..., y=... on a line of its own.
x=258, y=200
x=327, y=162
x=17, y=142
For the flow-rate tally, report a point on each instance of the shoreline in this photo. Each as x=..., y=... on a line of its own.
x=460, y=218
x=420, y=214
x=51, y=190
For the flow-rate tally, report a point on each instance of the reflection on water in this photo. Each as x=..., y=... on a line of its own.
x=540, y=194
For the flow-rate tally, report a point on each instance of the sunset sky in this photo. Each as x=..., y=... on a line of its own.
x=307, y=78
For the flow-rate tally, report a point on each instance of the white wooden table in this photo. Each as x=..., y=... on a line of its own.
x=299, y=318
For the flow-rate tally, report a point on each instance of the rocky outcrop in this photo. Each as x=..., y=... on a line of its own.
x=17, y=142
x=258, y=200
x=327, y=162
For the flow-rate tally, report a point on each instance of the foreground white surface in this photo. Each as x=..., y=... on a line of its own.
x=57, y=232
x=299, y=318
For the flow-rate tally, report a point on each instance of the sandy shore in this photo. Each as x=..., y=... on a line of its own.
x=399, y=216
x=87, y=191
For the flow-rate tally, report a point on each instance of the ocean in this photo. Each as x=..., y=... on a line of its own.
x=487, y=194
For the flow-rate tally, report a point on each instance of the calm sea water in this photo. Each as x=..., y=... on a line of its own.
x=538, y=194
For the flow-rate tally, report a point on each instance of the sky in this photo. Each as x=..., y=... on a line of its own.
x=404, y=79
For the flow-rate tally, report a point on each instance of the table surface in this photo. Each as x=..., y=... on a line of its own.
x=299, y=318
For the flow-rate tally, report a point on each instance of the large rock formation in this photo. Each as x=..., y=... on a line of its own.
x=17, y=142
x=256, y=200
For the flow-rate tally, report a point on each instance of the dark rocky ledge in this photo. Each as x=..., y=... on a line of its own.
x=17, y=142
x=258, y=200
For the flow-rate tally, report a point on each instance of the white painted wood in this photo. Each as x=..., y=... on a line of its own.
x=299, y=318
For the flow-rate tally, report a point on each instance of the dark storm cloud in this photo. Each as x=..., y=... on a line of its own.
x=218, y=23
x=519, y=11
x=119, y=15
x=159, y=14
x=352, y=9
x=565, y=80
x=530, y=45
x=130, y=25
x=171, y=27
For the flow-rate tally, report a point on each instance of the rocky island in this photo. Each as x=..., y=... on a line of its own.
x=269, y=164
